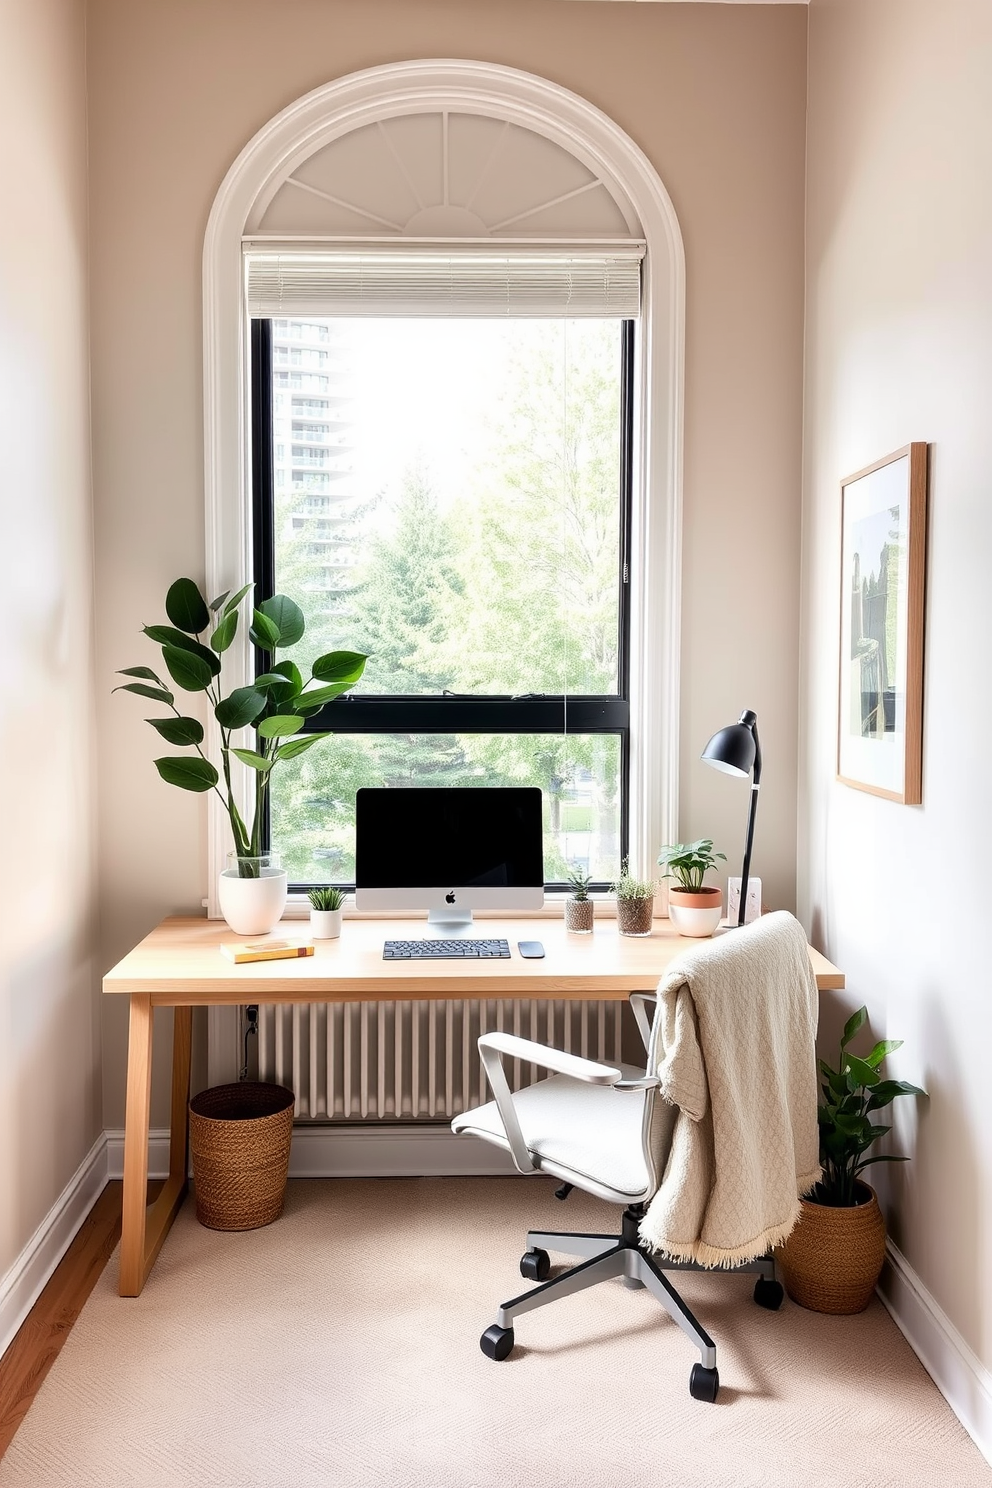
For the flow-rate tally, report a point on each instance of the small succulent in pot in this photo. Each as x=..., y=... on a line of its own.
x=579, y=907
x=325, y=896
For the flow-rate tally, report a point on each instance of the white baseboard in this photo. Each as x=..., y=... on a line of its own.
x=158, y=1152
x=24, y=1282
x=954, y=1367
x=413, y=1151
x=392, y=1152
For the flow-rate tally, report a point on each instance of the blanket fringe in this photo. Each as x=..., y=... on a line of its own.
x=715, y=1257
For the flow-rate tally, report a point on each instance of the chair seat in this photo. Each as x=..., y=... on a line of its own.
x=576, y=1131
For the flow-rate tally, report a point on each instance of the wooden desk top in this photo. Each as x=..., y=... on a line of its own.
x=180, y=963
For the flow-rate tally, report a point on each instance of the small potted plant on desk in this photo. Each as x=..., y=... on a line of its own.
x=578, y=906
x=694, y=908
x=325, y=912
x=635, y=903
x=833, y=1258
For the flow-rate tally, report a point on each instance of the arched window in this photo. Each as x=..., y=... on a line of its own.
x=493, y=211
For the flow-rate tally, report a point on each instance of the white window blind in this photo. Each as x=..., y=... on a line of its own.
x=524, y=280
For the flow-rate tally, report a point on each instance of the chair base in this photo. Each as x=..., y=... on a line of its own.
x=608, y=1256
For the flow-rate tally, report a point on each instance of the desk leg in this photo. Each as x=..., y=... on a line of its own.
x=143, y=1228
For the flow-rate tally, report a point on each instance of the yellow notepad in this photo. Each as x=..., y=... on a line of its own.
x=266, y=950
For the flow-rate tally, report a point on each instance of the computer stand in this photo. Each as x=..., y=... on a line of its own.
x=454, y=921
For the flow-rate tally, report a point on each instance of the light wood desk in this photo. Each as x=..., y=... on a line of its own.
x=179, y=965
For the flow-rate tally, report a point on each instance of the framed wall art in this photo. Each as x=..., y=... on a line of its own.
x=883, y=568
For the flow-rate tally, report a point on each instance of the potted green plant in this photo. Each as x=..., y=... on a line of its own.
x=578, y=905
x=276, y=705
x=635, y=903
x=694, y=908
x=325, y=911
x=832, y=1259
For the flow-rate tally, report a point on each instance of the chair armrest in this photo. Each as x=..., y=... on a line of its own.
x=644, y=1082
x=492, y=1046
x=638, y=1002
x=548, y=1058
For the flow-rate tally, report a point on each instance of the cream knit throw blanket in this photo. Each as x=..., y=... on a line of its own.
x=733, y=1044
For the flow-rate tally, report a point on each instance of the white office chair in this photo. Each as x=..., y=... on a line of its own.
x=607, y=1130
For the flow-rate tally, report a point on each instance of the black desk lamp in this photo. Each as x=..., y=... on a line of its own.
x=735, y=750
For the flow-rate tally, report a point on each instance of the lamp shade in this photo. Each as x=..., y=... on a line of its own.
x=732, y=749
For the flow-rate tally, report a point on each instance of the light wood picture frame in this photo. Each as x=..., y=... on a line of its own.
x=883, y=573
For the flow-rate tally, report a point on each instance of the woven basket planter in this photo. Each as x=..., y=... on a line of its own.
x=832, y=1259
x=240, y=1137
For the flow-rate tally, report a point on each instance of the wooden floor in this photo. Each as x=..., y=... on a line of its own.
x=47, y=1326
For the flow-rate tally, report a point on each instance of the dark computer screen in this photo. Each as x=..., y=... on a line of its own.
x=457, y=836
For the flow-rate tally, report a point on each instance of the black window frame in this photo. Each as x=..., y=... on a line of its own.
x=447, y=713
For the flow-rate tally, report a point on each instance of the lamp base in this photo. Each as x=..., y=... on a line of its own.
x=752, y=909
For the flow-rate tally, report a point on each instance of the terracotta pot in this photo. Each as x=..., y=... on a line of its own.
x=579, y=915
x=695, y=912
x=833, y=1258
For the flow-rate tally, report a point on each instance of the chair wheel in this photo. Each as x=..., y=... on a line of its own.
x=496, y=1342
x=768, y=1293
x=535, y=1265
x=703, y=1383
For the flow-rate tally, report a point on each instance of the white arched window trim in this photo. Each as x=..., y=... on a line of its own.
x=570, y=121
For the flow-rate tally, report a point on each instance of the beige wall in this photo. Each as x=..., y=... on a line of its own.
x=899, y=347
x=50, y=1108
x=715, y=95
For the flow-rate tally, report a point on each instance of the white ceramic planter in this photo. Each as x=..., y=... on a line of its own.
x=325, y=924
x=697, y=915
x=253, y=904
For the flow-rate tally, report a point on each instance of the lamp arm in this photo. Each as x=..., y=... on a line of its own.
x=752, y=808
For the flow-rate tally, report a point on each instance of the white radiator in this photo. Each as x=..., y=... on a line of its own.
x=415, y=1061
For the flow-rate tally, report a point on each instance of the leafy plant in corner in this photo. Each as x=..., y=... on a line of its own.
x=851, y=1094
x=689, y=862
x=276, y=704
x=325, y=896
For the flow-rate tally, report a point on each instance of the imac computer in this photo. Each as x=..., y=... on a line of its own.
x=447, y=851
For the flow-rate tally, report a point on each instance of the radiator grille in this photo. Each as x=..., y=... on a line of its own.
x=415, y=1061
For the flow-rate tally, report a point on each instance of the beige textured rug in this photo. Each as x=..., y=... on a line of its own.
x=339, y=1347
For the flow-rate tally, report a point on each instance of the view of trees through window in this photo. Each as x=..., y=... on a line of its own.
x=447, y=497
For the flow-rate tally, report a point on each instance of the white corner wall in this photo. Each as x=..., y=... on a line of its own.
x=50, y=1090
x=899, y=347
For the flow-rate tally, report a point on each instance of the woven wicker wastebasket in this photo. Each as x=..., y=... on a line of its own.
x=240, y=1138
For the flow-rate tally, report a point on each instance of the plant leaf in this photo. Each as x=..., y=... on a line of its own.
x=215, y=604
x=862, y=1071
x=279, y=725
x=312, y=701
x=340, y=666
x=224, y=633
x=852, y=1025
x=235, y=600
x=166, y=636
x=140, y=672
x=885, y=1046
x=189, y=774
x=186, y=607
x=291, y=672
x=887, y=1090
x=178, y=730
x=241, y=708
x=187, y=670
x=299, y=746
x=157, y=694
x=270, y=679
x=264, y=632
x=257, y=761
x=286, y=616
